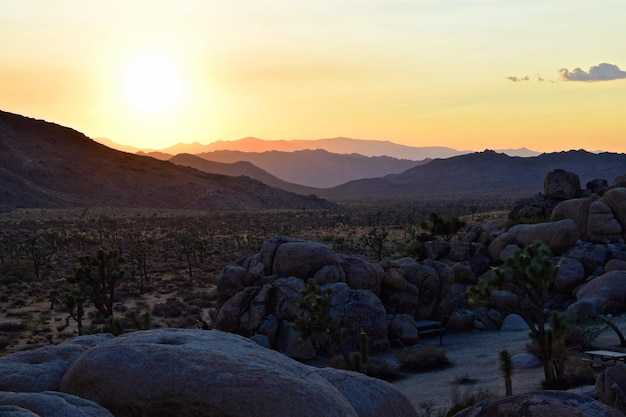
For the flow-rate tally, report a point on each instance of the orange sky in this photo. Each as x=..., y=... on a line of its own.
x=466, y=74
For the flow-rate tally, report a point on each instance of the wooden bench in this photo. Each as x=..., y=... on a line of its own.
x=432, y=328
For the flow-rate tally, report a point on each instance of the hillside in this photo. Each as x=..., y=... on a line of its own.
x=239, y=168
x=316, y=168
x=46, y=165
x=487, y=172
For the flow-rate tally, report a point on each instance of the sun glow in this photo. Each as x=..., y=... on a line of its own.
x=153, y=84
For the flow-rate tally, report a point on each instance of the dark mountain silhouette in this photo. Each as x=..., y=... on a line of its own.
x=339, y=145
x=481, y=173
x=46, y=165
x=317, y=168
x=239, y=168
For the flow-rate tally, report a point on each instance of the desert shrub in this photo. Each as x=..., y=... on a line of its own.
x=375, y=367
x=17, y=271
x=584, y=335
x=577, y=374
x=469, y=397
x=171, y=308
x=426, y=358
x=11, y=326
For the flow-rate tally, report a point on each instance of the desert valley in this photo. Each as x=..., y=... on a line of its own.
x=302, y=276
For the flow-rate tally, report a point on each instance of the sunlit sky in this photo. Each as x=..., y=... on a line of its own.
x=548, y=75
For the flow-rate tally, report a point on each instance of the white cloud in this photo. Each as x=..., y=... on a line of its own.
x=601, y=72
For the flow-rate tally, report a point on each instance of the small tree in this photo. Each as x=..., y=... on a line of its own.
x=528, y=274
x=315, y=304
x=375, y=240
x=99, y=275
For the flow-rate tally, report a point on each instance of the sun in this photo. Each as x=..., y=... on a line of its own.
x=153, y=84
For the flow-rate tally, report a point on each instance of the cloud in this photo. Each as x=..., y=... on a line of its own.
x=518, y=79
x=602, y=72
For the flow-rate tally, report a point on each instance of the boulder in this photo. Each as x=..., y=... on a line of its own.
x=230, y=282
x=602, y=226
x=541, y=404
x=362, y=310
x=49, y=404
x=561, y=185
x=570, y=274
x=42, y=369
x=178, y=372
x=525, y=361
x=576, y=209
x=513, y=323
x=15, y=411
x=370, y=397
x=302, y=259
x=611, y=386
x=606, y=292
x=402, y=327
x=616, y=199
x=362, y=274
x=559, y=235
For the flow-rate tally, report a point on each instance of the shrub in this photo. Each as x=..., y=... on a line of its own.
x=467, y=399
x=427, y=358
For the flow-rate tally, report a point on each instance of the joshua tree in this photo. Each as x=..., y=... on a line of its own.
x=99, y=276
x=315, y=304
x=506, y=366
x=375, y=240
x=528, y=274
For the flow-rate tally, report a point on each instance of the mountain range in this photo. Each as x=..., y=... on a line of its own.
x=46, y=165
x=340, y=145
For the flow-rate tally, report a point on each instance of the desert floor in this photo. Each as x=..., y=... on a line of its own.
x=475, y=358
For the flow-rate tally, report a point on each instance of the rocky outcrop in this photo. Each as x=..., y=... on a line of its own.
x=561, y=185
x=606, y=292
x=369, y=397
x=541, y=404
x=611, y=386
x=48, y=404
x=174, y=372
x=42, y=369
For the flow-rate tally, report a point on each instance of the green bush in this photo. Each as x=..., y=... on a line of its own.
x=427, y=358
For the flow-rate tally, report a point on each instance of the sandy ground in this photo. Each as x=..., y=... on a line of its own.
x=474, y=355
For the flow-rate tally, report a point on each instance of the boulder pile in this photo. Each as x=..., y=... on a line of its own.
x=584, y=228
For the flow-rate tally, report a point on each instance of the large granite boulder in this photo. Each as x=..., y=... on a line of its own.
x=576, y=209
x=48, y=404
x=42, y=369
x=606, y=292
x=370, y=397
x=542, y=404
x=302, y=259
x=176, y=372
x=558, y=235
x=561, y=185
x=602, y=226
x=616, y=199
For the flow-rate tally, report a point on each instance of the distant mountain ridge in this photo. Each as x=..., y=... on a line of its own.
x=47, y=165
x=481, y=172
x=339, y=145
x=237, y=169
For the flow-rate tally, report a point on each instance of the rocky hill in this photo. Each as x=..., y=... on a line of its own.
x=481, y=173
x=239, y=168
x=46, y=165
